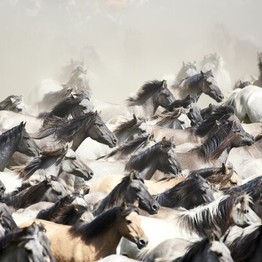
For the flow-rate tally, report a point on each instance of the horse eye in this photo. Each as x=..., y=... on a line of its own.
x=128, y=222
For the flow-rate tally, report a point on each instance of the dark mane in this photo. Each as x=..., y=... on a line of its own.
x=219, y=140
x=100, y=224
x=194, y=250
x=186, y=102
x=40, y=161
x=204, y=127
x=28, y=196
x=243, y=248
x=141, y=159
x=130, y=146
x=67, y=129
x=146, y=91
x=125, y=125
x=116, y=196
x=190, y=81
x=204, y=219
x=189, y=193
x=13, y=134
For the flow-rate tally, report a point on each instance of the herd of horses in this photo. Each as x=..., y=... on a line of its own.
x=154, y=178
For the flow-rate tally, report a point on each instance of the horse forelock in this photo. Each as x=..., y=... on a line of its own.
x=145, y=92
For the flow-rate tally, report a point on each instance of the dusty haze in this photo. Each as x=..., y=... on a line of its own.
x=123, y=43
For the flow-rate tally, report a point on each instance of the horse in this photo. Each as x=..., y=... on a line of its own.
x=215, y=150
x=46, y=190
x=75, y=105
x=206, y=250
x=78, y=129
x=16, y=139
x=161, y=156
x=26, y=244
x=13, y=103
x=247, y=246
x=216, y=63
x=130, y=189
x=7, y=223
x=62, y=163
x=67, y=210
x=195, y=223
x=188, y=69
x=190, y=193
x=246, y=102
x=197, y=84
x=82, y=242
x=134, y=146
x=144, y=103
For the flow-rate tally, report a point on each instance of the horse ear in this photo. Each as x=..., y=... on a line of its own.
x=132, y=175
x=136, y=203
x=202, y=73
x=134, y=117
x=224, y=168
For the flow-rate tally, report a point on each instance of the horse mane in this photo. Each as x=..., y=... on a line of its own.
x=101, y=223
x=38, y=162
x=212, y=147
x=68, y=128
x=51, y=212
x=209, y=122
x=13, y=133
x=146, y=91
x=194, y=250
x=141, y=159
x=125, y=125
x=190, y=81
x=129, y=146
x=189, y=189
x=209, y=217
x=244, y=247
x=28, y=196
x=167, y=116
x=186, y=102
x=6, y=219
x=64, y=107
x=116, y=196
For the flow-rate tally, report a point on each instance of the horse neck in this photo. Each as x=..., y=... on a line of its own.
x=79, y=137
x=106, y=243
x=149, y=107
x=8, y=147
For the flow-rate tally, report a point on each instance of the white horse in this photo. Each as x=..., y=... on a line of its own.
x=247, y=103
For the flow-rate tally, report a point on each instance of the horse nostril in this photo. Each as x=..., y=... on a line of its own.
x=142, y=242
x=91, y=174
x=155, y=207
x=115, y=140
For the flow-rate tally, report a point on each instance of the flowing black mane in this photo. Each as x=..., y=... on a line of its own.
x=140, y=160
x=40, y=162
x=189, y=193
x=218, y=141
x=222, y=111
x=69, y=128
x=146, y=91
x=186, y=102
x=125, y=125
x=130, y=146
x=101, y=223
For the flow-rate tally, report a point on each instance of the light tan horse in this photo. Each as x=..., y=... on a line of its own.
x=98, y=239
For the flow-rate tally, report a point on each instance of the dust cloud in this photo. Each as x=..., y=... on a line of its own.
x=124, y=43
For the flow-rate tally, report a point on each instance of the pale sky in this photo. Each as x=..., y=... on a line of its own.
x=124, y=42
